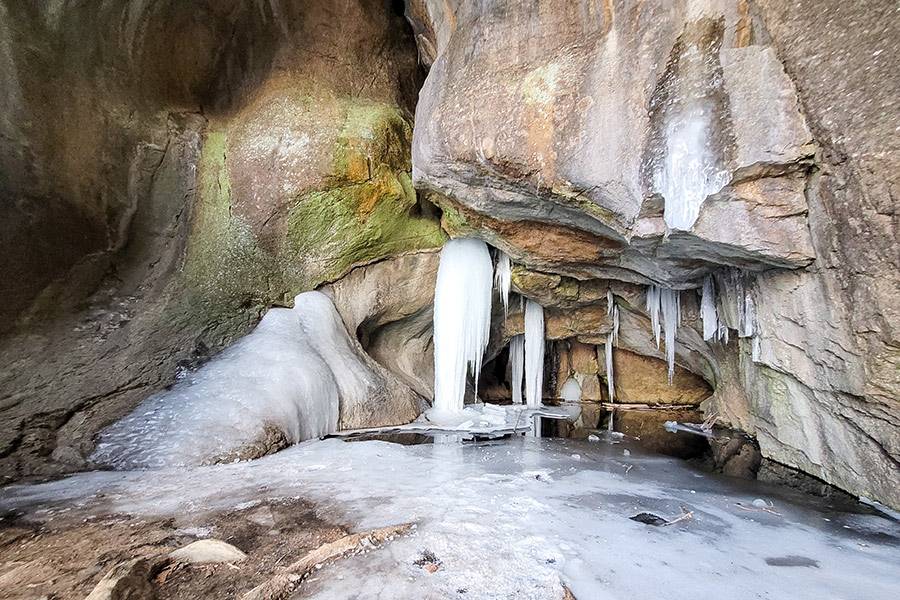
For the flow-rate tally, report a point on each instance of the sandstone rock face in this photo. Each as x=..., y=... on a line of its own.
x=567, y=116
x=167, y=172
x=388, y=306
x=643, y=380
x=558, y=133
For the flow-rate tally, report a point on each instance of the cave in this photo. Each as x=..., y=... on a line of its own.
x=589, y=286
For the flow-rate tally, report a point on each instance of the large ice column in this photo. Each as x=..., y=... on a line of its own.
x=292, y=373
x=666, y=302
x=503, y=278
x=534, y=353
x=462, y=319
x=517, y=366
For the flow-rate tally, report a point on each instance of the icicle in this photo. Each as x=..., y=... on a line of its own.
x=612, y=309
x=503, y=279
x=653, y=309
x=669, y=303
x=611, y=338
x=671, y=310
x=517, y=366
x=534, y=353
x=747, y=317
x=755, y=349
x=462, y=318
x=708, y=309
x=610, y=386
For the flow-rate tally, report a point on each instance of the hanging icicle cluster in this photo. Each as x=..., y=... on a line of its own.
x=534, y=353
x=462, y=319
x=503, y=279
x=735, y=300
x=611, y=338
x=668, y=302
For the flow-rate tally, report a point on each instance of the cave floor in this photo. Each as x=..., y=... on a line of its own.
x=509, y=518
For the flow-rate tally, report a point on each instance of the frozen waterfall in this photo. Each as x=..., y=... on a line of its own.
x=503, y=278
x=668, y=302
x=517, y=366
x=534, y=353
x=290, y=373
x=462, y=319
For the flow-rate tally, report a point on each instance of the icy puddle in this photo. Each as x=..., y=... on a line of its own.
x=518, y=518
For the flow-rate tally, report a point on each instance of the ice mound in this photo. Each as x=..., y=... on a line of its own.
x=293, y=372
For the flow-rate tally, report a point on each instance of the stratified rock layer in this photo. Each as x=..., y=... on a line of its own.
x=554, y=131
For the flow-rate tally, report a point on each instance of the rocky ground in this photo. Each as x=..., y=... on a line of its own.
x=65, y=558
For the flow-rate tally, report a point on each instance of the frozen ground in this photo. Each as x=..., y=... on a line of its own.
x=518, y=518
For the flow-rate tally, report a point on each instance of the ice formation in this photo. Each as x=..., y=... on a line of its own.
x=517, y=366
x=689, y=172
x=690, y=169
x=611, y=338
x=503, y=278
x=747, y=316
x=291, y=372
x=462, y=319
x=571, y=391
x=668, y=302
x=653, y=309
x=534, y=353
x=708, y=312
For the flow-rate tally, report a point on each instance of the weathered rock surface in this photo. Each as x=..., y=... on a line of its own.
x=643, y=380
x=550, y=130
x=388, y=305
x=128, y=580
x=168, y=171
x=536, y=117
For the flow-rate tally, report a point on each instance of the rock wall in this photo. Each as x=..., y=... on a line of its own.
x=576, y=136
x=167, y=171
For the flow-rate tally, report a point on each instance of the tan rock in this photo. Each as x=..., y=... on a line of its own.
x=644, y=380
x=127, y=580
x=208, y=551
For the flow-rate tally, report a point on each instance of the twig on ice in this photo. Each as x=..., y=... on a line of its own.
x=686, y=515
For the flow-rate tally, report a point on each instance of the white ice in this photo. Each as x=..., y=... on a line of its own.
x=462, y=319
x=534, y=353
x=480, y=419
x=503, y=279
x=667, y=302
x=291, y=372
x=517, y=366
x=518, y=519
x=708, y=313
x=612, y=338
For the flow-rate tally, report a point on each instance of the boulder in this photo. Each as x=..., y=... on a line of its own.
x=127, y=580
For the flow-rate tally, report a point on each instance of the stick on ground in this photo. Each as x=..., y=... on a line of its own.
x=279, y=585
